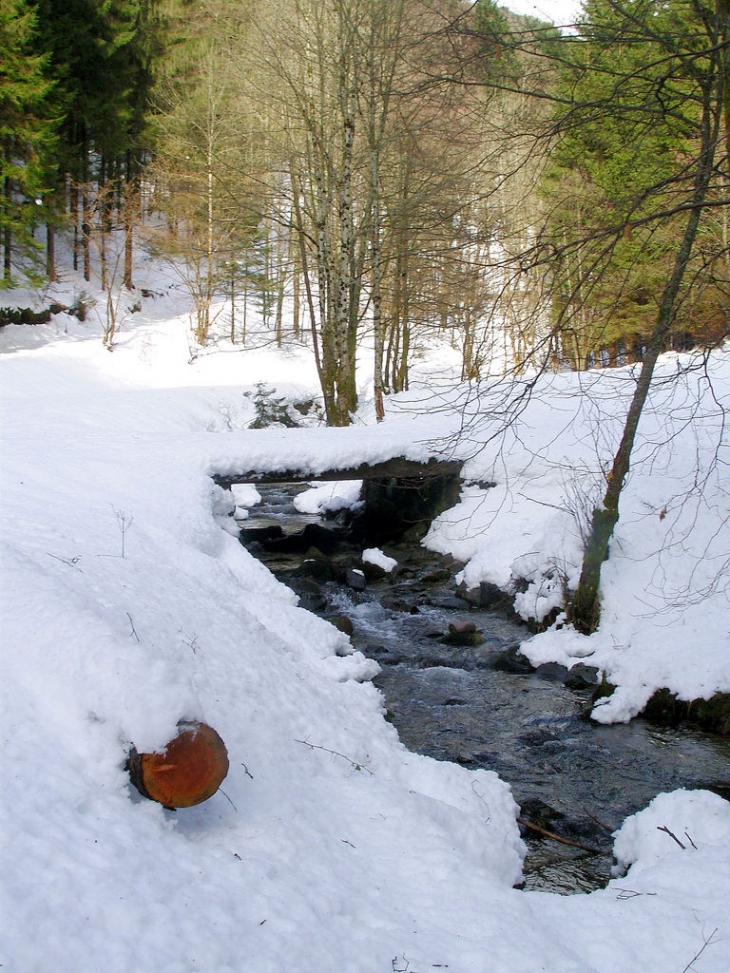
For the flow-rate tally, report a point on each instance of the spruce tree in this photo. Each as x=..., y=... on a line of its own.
x=677, y=87
x=101, y=55
x=617, y=174
x=27, y=137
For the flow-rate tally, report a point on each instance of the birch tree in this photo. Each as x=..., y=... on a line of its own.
x=376, y=158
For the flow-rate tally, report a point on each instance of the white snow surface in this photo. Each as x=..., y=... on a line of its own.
x=329, y=497
x=373, y=555
x=127, y=606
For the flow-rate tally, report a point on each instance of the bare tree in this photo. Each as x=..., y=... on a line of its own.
x=378, y=164
x=202, y=170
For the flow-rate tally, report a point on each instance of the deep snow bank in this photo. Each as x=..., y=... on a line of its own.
x=125, y=606
x=666, y=586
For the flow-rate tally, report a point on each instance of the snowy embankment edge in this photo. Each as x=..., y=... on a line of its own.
x=664, y=588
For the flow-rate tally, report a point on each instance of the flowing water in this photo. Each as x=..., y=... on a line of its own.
x=571, y=777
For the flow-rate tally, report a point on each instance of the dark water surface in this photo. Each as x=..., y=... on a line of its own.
x=570, y=776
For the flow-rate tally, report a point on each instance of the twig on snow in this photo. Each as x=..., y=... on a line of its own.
x=709, y=941
x=407, y=967
x=124, y=522
x=71, y=561
x=671, y=834
x=631, y=894
x=228, y=798
x=335, y=753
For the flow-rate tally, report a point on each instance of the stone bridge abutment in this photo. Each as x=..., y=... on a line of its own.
x=401, y=497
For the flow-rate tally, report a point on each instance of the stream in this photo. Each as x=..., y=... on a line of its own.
x=455, y=690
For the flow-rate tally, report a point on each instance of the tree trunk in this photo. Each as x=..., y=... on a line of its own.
x=7, y=234
x=50, y=253
x=131, y=203
x=73, y=203
x=343, y=291
x=244, y=327
x=296, y=305
x=189, y=770
x=378, y=336
x=585, y=611
x=102, y=194
x=316, y=311
x=233, y=303
x=85, y=210
x=86, y=230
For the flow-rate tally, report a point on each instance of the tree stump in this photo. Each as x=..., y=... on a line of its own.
x=189, y=770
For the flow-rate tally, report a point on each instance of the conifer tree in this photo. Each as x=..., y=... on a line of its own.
x=101, y=54
x=633, y=120
x=26, y=133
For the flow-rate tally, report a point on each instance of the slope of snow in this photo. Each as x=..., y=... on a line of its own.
x=126, y=606
x=666, y=586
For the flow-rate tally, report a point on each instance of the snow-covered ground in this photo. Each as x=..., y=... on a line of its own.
x=127, y=606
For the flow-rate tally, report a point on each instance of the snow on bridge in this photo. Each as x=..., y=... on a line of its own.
x=397, y=468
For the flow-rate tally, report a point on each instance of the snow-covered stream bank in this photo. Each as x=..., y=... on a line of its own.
x=462, y=697
x=333, y=849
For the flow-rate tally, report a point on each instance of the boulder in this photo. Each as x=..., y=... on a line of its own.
x=355, y=579
x=317, y=566
x=581, y=676
x=343, y=623
x=373, y=572
x=552, y=671
x=512, y=660
x=463, y=632
x=447, y=601
x=488, y=596
x=260, y=535
x=310, y=594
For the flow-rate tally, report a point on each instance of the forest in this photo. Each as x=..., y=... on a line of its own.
x=370, y=173
x=391, y=168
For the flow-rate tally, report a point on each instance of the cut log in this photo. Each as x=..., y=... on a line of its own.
x=189, y=770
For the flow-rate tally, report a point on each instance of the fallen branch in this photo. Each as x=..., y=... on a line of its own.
x=557, y=837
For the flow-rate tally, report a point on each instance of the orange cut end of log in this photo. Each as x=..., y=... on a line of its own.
x=189, y=770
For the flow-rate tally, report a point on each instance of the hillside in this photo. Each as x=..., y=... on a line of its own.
x=127, y=606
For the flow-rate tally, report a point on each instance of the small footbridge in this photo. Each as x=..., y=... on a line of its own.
x=401, y=496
